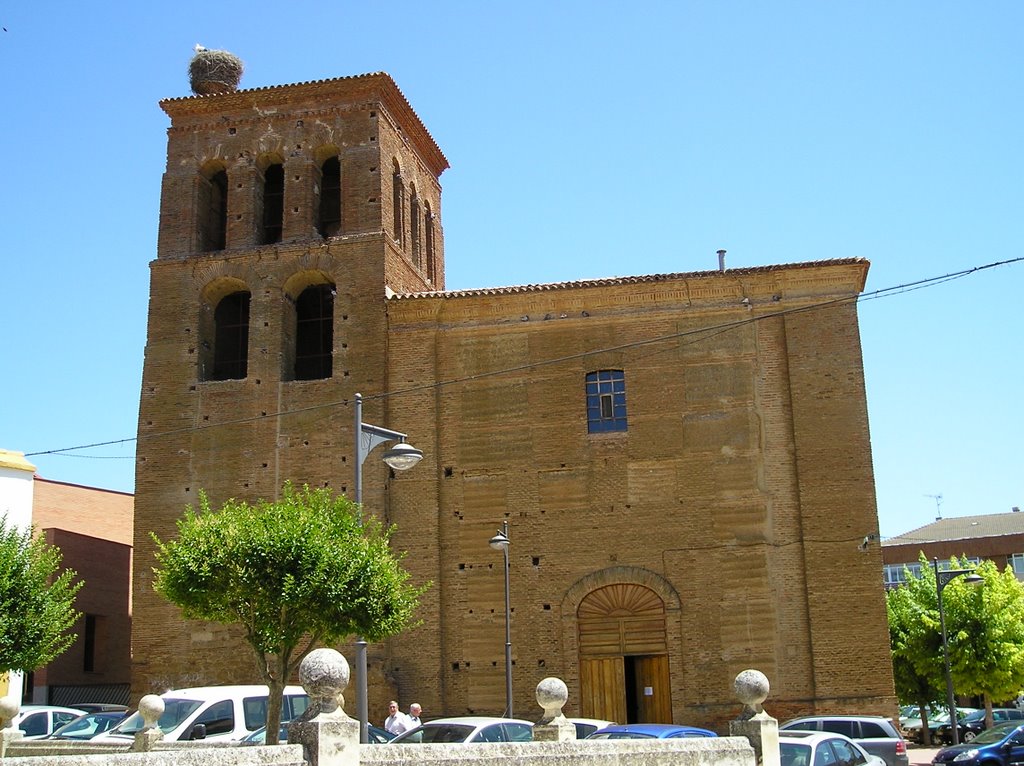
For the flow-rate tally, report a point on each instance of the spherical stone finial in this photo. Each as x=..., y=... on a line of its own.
x=9, y=707
x=751, y=688
x=552, y=694
x=324, y=674
x=151, y=707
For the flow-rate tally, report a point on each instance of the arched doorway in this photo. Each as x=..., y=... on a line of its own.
x=624, y=672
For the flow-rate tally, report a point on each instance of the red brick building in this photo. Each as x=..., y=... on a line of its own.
x=93, y=529
x=997, y=537
x=683, y=459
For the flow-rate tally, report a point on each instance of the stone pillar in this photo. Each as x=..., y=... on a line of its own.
x=552, y=694
x=9, y=707
x=754, y=723
x=327, y=735
x=151, y=707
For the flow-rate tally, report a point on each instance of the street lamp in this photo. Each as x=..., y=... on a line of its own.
x=501, y=542
x=401, y=457
x=942, y=579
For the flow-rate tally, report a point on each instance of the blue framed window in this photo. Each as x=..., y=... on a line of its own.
x=606, y=401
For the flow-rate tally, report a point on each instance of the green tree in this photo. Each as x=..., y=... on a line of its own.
x=916, y=644
x=984, y=632
x=989, y=635
x=302, y=571
x=37, y=603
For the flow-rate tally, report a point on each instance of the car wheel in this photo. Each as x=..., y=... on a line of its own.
x=969, y=735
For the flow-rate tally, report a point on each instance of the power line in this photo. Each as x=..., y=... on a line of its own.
x=705, y=333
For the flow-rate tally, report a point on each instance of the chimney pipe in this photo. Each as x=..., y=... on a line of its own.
x=721, y=260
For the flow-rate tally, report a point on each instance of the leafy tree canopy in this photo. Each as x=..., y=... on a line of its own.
x=984, y=632
x=36, y=601
x=301, y=571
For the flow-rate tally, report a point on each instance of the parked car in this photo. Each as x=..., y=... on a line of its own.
x=468, y=729
x=375, y=735
x=973, y=724
x=89, y=725
x=823, y=748
x=1002, y=745
x=101, y=707
x=874, y=733
x=650, y=731
x=912, y=729
x=587, y=726
x=38, y=721
x=212, y=712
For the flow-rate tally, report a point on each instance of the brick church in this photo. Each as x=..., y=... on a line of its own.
x=683, y=460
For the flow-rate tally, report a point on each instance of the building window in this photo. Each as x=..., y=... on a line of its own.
x=606, y=401
x=398, y=205
x=329, y=217
x=414, y=222
x=1017, y=562
x=314, y=332
x=213, y=211
x=92, y=642
x=273, y=204
x=231, y=337
x=428, y=233
x=896, y=574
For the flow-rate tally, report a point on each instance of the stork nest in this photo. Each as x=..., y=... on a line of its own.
x=211, y=72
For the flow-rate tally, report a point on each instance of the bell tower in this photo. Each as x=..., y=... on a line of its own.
x=287, y=215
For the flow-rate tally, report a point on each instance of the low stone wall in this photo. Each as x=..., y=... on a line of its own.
x=35, y=753
x=326, y=736
x=712, y=751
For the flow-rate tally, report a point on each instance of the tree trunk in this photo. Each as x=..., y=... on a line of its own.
x=274, y=701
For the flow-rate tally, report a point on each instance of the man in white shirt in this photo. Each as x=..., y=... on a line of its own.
x=397, y=721
x=414, y=713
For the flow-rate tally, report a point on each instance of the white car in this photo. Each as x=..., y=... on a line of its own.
x=486, y=729
x=38, y=721
x=471, y=728
x=822, y=748
x=212, y=712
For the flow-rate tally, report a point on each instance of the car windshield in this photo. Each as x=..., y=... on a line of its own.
x=444, y=732
x=87, y=726
x=792, y=754
x=977, y=715
x=175, y=711
x=621, y=735
x=995, y=734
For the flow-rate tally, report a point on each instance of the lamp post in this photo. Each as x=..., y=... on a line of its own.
x=401, y=457
x=942, y=579
x=501, y=541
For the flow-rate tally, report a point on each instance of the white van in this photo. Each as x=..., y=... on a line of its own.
x=212, y=712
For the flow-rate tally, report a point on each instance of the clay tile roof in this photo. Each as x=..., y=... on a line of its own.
x=611, y=281
x=962, y=528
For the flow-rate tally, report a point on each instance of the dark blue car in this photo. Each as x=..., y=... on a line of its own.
x=650, y=731
x=1002, y=745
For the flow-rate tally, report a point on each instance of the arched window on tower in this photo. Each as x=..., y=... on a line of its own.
x=273, y=204
x=231, y=337
x=428, y=235
x=329, y=215
x=398, y=204
x=213, y=210
x=314, y=332
x=414, y=223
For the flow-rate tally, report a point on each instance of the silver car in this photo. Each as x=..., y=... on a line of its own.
x=875, y=733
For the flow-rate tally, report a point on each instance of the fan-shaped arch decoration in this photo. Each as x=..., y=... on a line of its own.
x=622, y=619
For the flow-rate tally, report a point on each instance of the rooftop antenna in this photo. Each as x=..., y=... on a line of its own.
x=938, y=506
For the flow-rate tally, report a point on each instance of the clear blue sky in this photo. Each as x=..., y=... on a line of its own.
x=586, y=139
